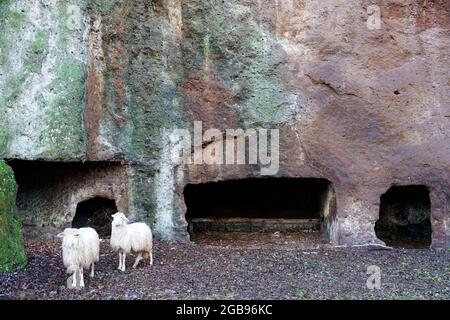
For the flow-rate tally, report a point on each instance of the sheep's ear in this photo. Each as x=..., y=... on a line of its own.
x=77, y=233
x=125, y=218
x=60, y=235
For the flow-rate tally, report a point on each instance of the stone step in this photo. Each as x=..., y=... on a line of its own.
x=253, y=225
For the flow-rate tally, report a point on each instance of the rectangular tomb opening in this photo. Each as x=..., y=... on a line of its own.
x=261, y=205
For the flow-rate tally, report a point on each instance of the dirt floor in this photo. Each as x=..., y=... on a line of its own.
x=238, y=266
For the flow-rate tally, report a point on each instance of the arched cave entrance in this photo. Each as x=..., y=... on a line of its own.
x=95, y=213
x=404, y=219
x=261, y=205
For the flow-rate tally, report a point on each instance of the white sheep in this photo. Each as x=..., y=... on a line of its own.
x=136, y=237
x=80, y=250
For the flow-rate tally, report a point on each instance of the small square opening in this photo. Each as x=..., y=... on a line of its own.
x=404, y=219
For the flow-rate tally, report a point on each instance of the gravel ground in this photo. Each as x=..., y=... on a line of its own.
x=248, y=266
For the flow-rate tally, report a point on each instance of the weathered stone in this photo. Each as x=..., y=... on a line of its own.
x=364, y=109
x=42, y=79
x=12, y=252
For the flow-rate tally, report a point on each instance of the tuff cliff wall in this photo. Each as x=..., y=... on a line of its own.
x=106, y=80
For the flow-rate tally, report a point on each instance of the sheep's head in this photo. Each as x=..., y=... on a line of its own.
x=69, y=232
x=119, y=219
x=70, y=238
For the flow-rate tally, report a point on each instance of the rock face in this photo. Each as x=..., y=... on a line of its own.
x=12, y=252
x=364, y=108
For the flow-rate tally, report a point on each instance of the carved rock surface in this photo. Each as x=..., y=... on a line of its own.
x=365, y=109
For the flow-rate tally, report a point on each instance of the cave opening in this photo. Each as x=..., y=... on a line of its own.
x=260, y=205
x=46, y=189
x=404, y=219
x=95, y=213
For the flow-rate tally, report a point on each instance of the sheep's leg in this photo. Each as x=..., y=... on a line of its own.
x=138, y=259
x=92, y=270
x=74, y=279
x=120, y=261
x=81, y=279
x=148, y=256
x=124, y=255
x=123, y=262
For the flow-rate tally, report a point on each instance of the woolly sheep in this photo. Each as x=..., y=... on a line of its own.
x=80, y=250
x=136, y=237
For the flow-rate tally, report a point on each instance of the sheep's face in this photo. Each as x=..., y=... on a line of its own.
x=119, y=219
x=69, y=232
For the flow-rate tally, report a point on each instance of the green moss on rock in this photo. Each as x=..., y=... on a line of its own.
x=36, y=51
x=4, y=137
x=63, y=134
x=10, y=20
x=12, y=251
x=105, y=6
